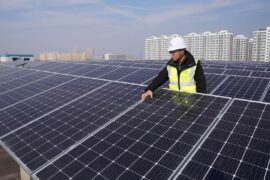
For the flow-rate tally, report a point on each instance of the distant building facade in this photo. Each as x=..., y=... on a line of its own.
x=261, y=45
x=250, y=48
x=240, y=48
x=16, y=57
x=72, y=56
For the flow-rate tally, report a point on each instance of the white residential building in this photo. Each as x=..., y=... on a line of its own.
x=240, y=48
x=261, y=45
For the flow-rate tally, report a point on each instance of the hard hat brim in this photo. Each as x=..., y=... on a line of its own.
x=170, y=49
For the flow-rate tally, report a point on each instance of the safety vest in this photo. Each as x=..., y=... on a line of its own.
x=186, y=79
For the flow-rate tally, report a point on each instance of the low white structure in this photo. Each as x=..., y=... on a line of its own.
x=16, y=57
x=109, y=56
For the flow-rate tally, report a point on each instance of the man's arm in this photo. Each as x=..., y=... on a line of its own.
x=160, y=79
x=200, y=79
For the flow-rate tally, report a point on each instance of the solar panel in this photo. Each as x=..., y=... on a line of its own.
x=119, y=73
x=214, y=70
x=29, y=109
x=46, y=66
x=255, y=68
x=155, y=66
x=84, y=69
x=5, y=70
x=261, y=74
x=237, y=148
x=22, y=80
x=100, y=71
x=40, y=141
x=140, y=76
x=237, y=72
x=14, y=75
x=212, y=81
x=81, y=128
x=18, y=94
x=149, y=141
x=242, y=87
x=69, y=69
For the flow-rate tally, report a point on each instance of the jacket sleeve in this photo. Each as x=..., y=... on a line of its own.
x=200, y=79
x=160, y=79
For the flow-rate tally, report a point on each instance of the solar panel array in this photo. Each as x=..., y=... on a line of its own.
x=71, y=120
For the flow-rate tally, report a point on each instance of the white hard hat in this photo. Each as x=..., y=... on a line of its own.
x=177, y=43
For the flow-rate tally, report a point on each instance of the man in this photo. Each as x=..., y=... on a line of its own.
x=183, y=71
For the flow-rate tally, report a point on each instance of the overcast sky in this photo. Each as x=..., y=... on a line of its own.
x=114, y=26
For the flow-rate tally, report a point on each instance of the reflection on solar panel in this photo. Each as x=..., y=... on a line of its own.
x=38, y=142
x=238, y=147
x=148, y=141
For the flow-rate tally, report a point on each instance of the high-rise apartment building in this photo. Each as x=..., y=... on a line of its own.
x=240, y=48
x=156, y=48
x=261, y=45
x=210, y=46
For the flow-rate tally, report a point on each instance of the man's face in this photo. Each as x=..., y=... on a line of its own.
x=177, y=55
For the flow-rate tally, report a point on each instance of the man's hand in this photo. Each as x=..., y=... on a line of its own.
x=146, y=94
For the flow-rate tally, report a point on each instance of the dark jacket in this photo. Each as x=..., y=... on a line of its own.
x=189, y=61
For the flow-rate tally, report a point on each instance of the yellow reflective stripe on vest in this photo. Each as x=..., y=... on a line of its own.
x=186, y=79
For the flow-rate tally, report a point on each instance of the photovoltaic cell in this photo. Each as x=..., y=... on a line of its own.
x=149, y=141
x=40, y=141
x=241, y=150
